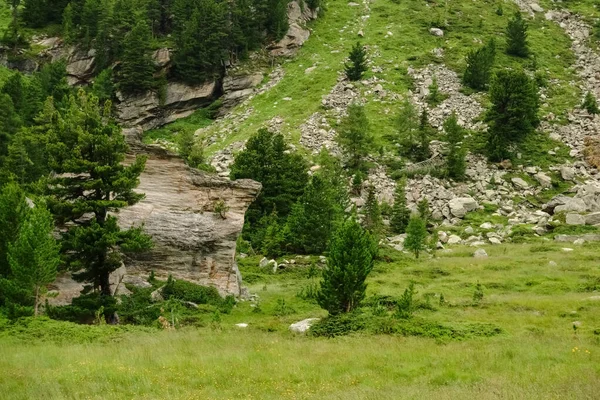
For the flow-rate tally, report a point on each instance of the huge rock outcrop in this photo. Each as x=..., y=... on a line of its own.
x=297, y=34
x=191, y=240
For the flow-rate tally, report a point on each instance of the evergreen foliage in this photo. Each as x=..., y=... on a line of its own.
x=479, y=66
x=400, y=212
x=513, y=111
x=358, y=63
x=34, y=255
x=516, y=36
x=350, y=260
x=423, y=209
x=590, y=104
x=456, y=162
x=416, y=234
x=422, y=151
x=435, y=97
x=354, y=136
x=103, y=87
x=86, y=151
x=137, y=68
x=13, y=210
x=408, y=129
x=283, y=175
x=372, y=212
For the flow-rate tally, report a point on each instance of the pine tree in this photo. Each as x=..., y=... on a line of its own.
x=423, y=209
x=408, y=128
x=372, y=212
x=103, y=87
x=456, y=162
x=13, y=36
x=68, y=25
x=435, y=97
x=283, y=175
x=13, y=209
x=137, y=68
x=479, y=66
x=358, y=63
x=90, y=185
x=516, y=36
x=416, y=233
x=400, y=212
x=34, y=255
x=10, y=122
x=513, y=111
x=590, y=104
x=350, y=260
x=313, y=218
x=354, y=136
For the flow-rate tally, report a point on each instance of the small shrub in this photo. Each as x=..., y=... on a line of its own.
x=220, y=208
x=590, y=104
x=339, y=325
x=478, y=294
x=406, y=303
x=309, y=292
x=282, y=309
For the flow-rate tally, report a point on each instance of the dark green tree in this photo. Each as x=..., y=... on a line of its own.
x=479, y=66
x=350, y=260
x=358, y=63
x=68, y=25
x=10, y=122
x=313, y=218
x=423, y=209
x=513, y=111
x=283, y=175
x=416, y=235
x=137, y=68
x=456, y=162
x=590, y=104
x=354, y=136
x=34, y=256
x=422, y=151
x=103, y=87
x=516, y=36
x=400, y=212
x=53, y=81
x=13, y=209
x=435, y=97
x=408, y=128
x=86, y=151
x=372, y=213
x=13, y=36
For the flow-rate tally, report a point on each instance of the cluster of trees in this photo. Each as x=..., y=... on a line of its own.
x=60, y=165
x=204, y=34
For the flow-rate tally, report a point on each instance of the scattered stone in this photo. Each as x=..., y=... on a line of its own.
x=536, y=8
x=567, y=173
x=461, y=205
x=494, y=240
x=575, y=219
x=567, y=249
x=242, y=325
x=454, y=239
x=157, y=296
x=552, y=263
x=544, y=180
x=486, y=225
x=303, y=326
x=592, y=218
x=436, y=32
x=469, y=230
x=520, y=183
x=263, y=262
x=579, y=242
x=480, y=253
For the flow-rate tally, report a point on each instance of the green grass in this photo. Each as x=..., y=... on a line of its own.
x=537, y=355
x=168, y=133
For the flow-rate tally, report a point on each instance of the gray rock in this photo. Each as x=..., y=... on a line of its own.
x=536, y=8
x=469, y=230
x=544, y=180
x=575, y=219
x=454, y=239
x=480, y=253
x=552, y=263
x=572, y=204
x=592, y=218
x=579, y=242
x=459, y=206
x=156, y=295
x=263, y=262
x=520, y=183
x=494, y=240
x=303, y=326
x=486, y=225
x=567, y=173
x=436, y=32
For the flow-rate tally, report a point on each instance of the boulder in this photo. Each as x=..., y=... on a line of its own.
x=454, y=239
x=592, y=218
x=575, y=219
x=571, y=204
x=536, y=8
x=486, y=225
x=520, y=183
x=495, y=240
x=459, y=206
x=436, y=32
x=303, y=326
x=162, y=57
x=296, y=35
x=263, y=262
x=480, y=253
x=544, y=180
x=567, y=173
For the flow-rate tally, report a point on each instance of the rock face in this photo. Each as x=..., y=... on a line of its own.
x=296, y=34
x=237, y=88
x=146, y=111
x=191, y=242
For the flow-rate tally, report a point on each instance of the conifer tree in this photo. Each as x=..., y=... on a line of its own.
x=34, y=255
x=479, y=66
x=350, y=260
x=68, y=25
x=513, y=111
x=10, y=122
x=516, y=36
x=422, y=151
x=13, y=209
x=358, y=63
x=408, y=128
x=400, y=212
x=423, y=209
x=372, y=212
x=103, y=87
x=354, y=136
x=590, y=104
x=86, y=151
x=456, y=163
x=416, y=233
x=137, y=68
x=435, y=97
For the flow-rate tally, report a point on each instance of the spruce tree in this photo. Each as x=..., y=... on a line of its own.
x=400, y=212
x=90, y=184
x=372, y=212
x=350, y=260
x=408, y=128
x=13, y=209
x=435, y=97
x=456, y=162
x=34, y=256
x=354, y=136
x=68, y=25
x=103, y=87
x=313, y=218
x=590, y=104
x=479, y=66
x=137, y=68
x=416, y=233
x=422, y=151
x=10, y=122
x=423, y=209
x=516, y=36
x=358, y=63
x=512, y=114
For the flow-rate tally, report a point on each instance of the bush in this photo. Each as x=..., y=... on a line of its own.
x=83, y=309
x=188, y=291
x=339, y=325
x=406, y=303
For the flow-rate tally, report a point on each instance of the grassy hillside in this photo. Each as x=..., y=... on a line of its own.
x=536, y=355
